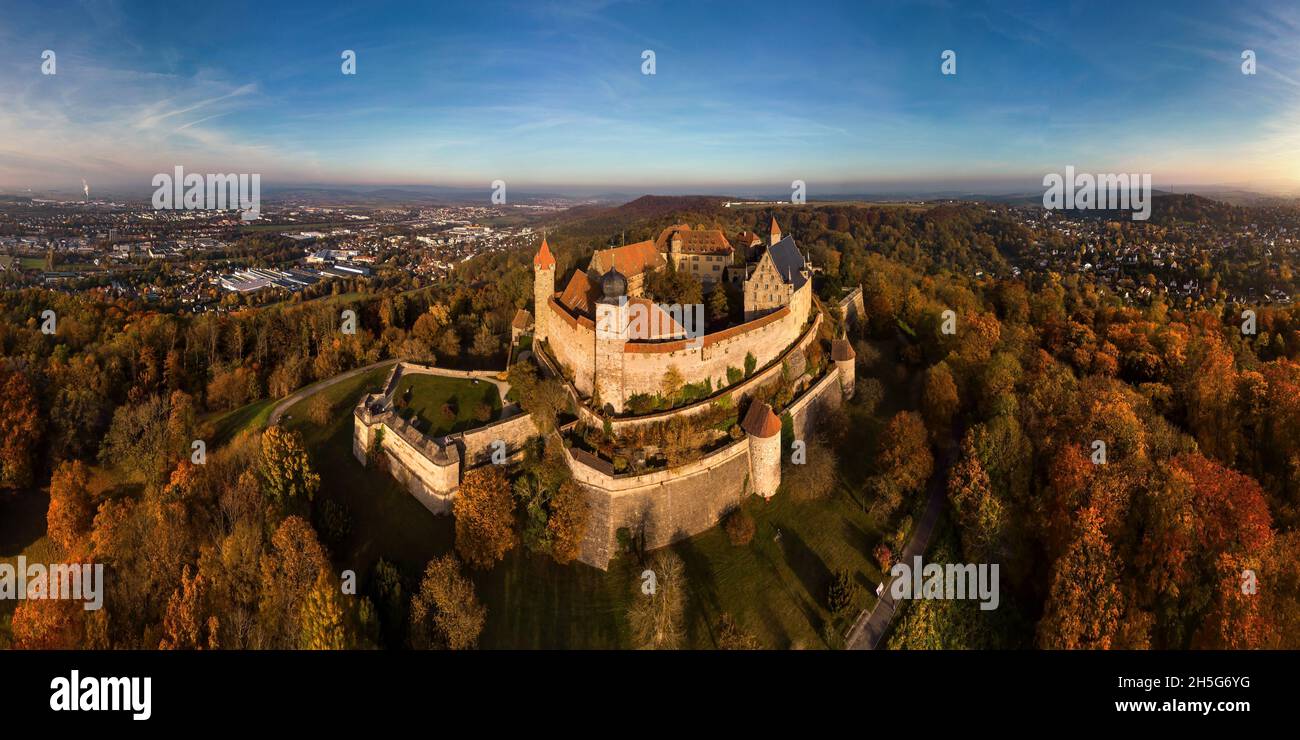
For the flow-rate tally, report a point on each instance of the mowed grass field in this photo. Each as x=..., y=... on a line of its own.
x=425, y=396
x=774, y=587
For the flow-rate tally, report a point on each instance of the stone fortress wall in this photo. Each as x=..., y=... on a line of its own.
x=738, y=393
x=639, y=367
x=431, y=468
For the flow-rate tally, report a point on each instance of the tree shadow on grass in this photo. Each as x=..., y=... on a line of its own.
x=802, y=600
x=703, y=591
x=22, y=519
x=806, y=564
x=857, y=537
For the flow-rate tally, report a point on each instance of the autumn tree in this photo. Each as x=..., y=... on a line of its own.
x=672, y=382
x=543, y=399
x=319, y=409
x=71, y=509
x=21, y=427
x=485, y=343
x=325, y=624
x=1085, y=604
x=567, y=521
x=657, y=618
x=48, y=624
x=188, y=623
x=288, y=572
x=484, y=511
x=979, y=513
x=446, y=612
x=287, y=475
x=719, y=308
x=137, y=440
x=904, y=452
x=939, y=403
x=739, y=526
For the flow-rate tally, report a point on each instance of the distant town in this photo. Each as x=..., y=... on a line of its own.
x=197, y=261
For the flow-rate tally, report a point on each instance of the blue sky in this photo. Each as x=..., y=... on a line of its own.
x=747, y=96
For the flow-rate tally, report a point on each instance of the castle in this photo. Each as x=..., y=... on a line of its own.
x=608, y=342
x=591, y=328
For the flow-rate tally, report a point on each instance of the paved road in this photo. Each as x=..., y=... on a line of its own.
x=870, y=627
x=312, y=389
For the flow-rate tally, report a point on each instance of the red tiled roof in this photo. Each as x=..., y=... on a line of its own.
x=580, y=295
x=522, y=319
x=694, y=241
x=544, y=258
x=708, y=339
x=629, y=259
x=661, y=324
x=558, y=309
x=841, y=350
x=760, y=421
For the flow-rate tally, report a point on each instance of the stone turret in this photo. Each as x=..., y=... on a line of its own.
x=611, y=338
x=775, y=232
x=764, y=430
x=844, y=356
x=543, y=289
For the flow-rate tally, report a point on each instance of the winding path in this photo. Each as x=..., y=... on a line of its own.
x=870, y=627
x=319, y=385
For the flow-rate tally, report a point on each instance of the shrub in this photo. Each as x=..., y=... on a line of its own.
x=842, y=596
x=739, y=526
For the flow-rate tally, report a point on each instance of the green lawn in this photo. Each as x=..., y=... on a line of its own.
x=424, y=397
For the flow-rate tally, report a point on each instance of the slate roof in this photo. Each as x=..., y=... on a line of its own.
x=789, y=262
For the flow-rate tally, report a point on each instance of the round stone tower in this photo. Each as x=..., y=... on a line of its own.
x=543, y=289
x=845, y=361
x=764, y=430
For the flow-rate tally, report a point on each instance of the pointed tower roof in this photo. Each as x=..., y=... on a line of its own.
x=841, y=350
x=544, y=259
x=760, y=421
